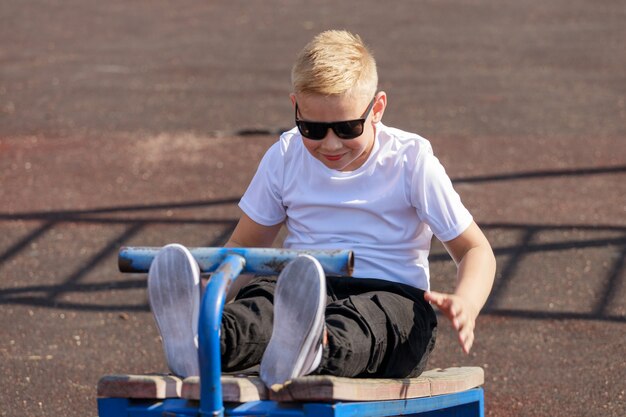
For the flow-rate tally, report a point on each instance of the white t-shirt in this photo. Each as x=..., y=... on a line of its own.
x=386, y=211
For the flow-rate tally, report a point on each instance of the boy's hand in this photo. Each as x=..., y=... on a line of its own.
x=460, y=312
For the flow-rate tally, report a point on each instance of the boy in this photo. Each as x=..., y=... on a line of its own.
x=340, y=179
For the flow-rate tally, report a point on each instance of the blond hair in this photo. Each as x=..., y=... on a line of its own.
x=335, y=62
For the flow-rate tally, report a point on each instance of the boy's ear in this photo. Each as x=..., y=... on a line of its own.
x=379, y=107
x=292, y=96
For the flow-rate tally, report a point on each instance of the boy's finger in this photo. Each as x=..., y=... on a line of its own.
x=467, y=343
x=466, y=329
x=458, y=321
x=466, y=335
x=442, y=301
x=434, y=297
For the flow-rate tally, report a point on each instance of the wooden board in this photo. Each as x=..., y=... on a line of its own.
x=331, y=388
x=156, y=386
x=449, y=380
x=238, y=389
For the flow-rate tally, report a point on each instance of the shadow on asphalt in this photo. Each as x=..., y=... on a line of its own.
x=50, y=294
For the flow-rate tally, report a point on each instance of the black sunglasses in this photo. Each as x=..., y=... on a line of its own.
x=347, y=129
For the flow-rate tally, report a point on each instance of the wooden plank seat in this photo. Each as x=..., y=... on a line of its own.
x=150, y=386
x=322, y=388
x=330, y=388
x=239, y=389
x=159, y=386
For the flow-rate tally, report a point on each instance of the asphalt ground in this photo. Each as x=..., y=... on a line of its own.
x=140, y=123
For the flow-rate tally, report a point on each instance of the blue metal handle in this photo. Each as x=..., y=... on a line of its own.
x=262, y=261
x=209, y=354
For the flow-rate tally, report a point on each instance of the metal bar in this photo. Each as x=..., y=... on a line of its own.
x=468, y=403
x=441, y=403
x=268, y=261
x=209, y=354
x=116, y=407
x=266, y=408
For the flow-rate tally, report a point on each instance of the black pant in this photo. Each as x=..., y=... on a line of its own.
x=376, y=328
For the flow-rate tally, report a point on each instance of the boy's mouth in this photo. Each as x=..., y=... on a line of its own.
x=332, y=157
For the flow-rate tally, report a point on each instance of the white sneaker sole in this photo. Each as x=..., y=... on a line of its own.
x=299, y=304
x=174, y=294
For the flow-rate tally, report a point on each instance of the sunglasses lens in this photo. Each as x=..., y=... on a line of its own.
x=349, y=129
x=312, y=130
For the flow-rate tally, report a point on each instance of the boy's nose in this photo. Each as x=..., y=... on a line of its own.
x=331, y=141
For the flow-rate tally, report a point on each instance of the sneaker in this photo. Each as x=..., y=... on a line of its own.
x=174, y=294
x=295, y=348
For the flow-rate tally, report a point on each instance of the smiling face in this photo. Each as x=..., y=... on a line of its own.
x=333, y=152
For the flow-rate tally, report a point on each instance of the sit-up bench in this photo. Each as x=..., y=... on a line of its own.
x=447, y=392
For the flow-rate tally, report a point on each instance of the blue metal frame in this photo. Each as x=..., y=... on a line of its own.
x=209, y=334
x=463, y=404
x=226, y=264
x=262, y=261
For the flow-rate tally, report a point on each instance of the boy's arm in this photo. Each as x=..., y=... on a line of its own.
x=476, y=267
x=250, y=234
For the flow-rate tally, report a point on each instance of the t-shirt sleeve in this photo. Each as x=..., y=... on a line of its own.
x=262, y=201
x=436, y=201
